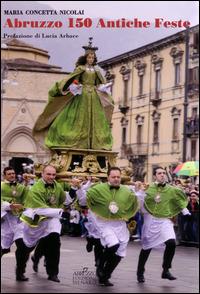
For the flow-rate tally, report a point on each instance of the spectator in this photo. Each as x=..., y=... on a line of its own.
x=82, y=222
x=192, y=223
x=65, y=229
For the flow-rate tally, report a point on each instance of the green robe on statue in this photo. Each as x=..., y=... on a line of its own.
x=80, y=121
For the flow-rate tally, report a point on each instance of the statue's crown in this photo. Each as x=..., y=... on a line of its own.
x=89, y=48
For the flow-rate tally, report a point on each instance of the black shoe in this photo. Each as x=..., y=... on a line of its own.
x=21, y=278
x=35, y=264
x=54, y=278
x=4, y=251
x=140, y=278
x=167, y=275
x=89, y=245
x=106, y=283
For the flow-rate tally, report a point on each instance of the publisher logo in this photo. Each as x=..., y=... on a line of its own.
x=84, y=276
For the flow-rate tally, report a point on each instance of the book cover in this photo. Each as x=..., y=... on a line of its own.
x=40, y=44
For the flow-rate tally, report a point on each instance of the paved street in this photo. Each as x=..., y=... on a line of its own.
x=77, y=272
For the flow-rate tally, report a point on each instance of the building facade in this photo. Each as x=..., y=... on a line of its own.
x=26, y=78
x=155, y=89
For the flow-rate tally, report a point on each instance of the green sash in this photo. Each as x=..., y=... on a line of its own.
x=13, y=194
x=164, y=202
x=41, y=197
x=100, y=196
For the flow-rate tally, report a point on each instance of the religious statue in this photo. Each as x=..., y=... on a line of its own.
x=79, y=109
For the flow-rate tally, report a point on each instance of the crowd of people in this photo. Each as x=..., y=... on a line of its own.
x=108, y=214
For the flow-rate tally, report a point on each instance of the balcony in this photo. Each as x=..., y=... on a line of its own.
x=136, y=149
x=123, y=108
x=156, y=99
x=194, y=55
x=193, y=88
x=192, y=127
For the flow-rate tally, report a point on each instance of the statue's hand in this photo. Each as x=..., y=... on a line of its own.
x=75, y=89
x=105, y=88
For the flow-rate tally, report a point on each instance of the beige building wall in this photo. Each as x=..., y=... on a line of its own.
x=146, y=108
x=26, y=79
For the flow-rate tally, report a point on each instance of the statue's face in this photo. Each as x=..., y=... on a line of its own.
x=90, y=59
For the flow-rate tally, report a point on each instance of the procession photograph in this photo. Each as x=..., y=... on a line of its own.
x=100, y=147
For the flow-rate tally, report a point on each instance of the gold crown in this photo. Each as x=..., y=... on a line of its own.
x=89, y=48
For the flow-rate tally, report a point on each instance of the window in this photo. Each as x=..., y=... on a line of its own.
x=123, y=136
x=140, y=65
x=156, y=118
x=193, y=84
x=196, y=42
x=193, y=149
x=125, y=92
x=158, y=77
x=175, y=129
x=125, y=72
x=139, y=134
x=155, y=132
x=194, y=75
x=194, y=112
x=177, y=74
x=141, y=85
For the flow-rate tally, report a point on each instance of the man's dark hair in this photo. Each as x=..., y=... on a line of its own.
x=7, y=168
x=156, y=168
x=113, y=168
x=177, y=181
